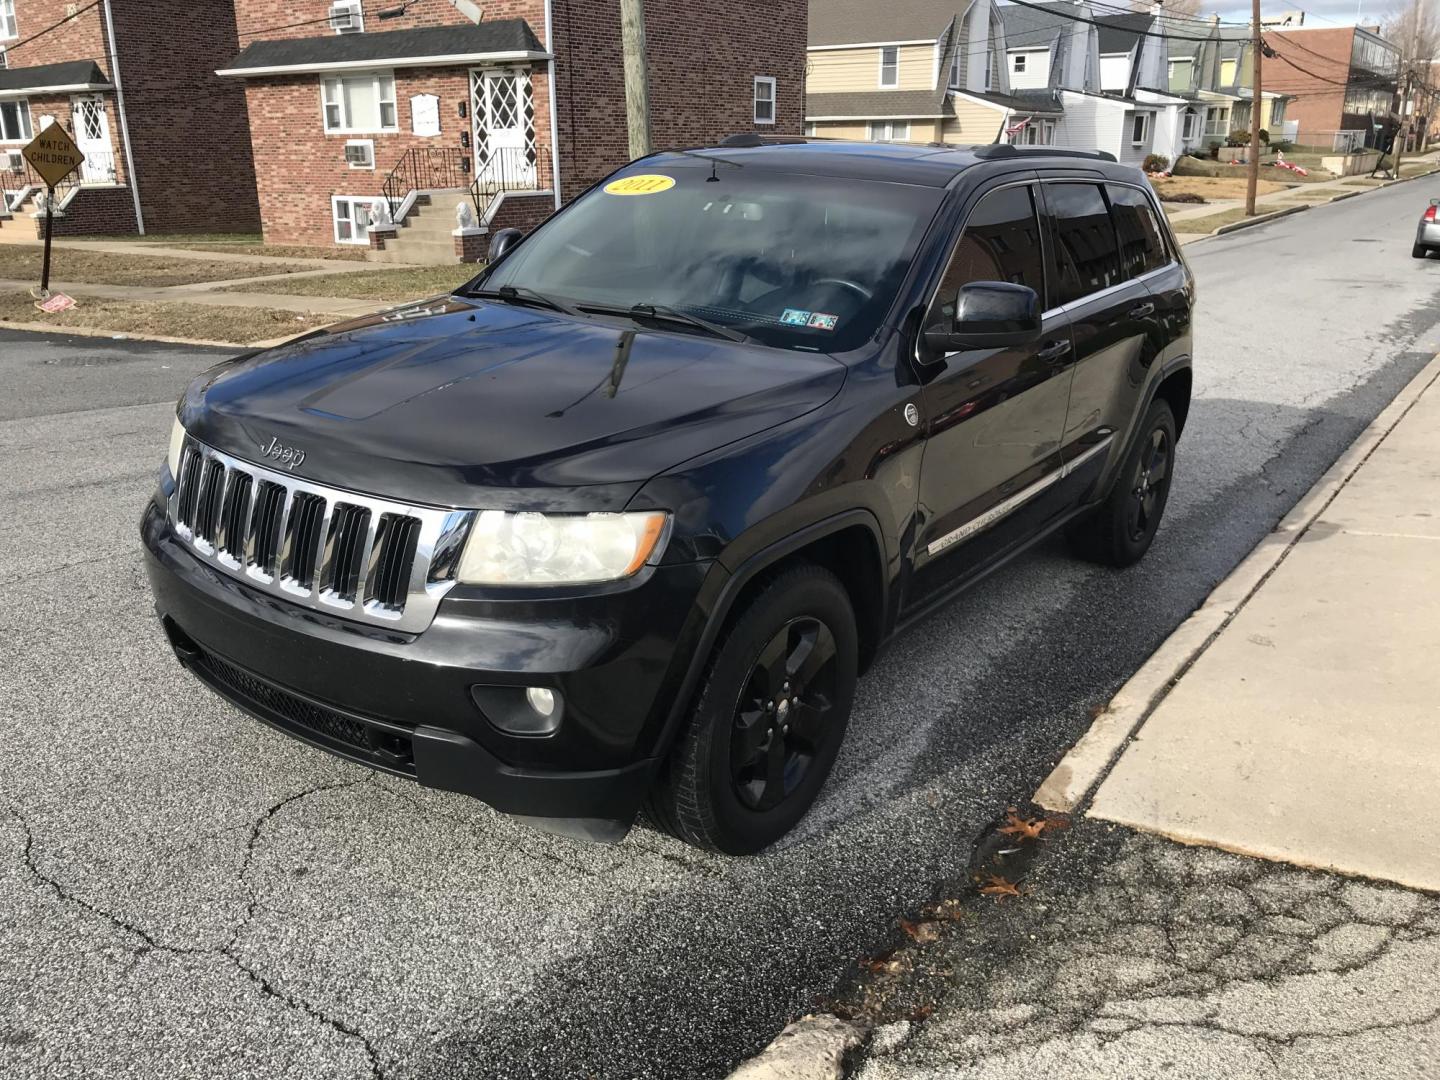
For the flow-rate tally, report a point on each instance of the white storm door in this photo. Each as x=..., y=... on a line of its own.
x=502, y=137
x=92, y=136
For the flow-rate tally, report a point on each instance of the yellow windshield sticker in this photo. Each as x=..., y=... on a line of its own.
x=644, y=184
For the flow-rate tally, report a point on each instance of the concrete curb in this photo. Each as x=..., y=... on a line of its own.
x=1080, y=771
x=1258, y=219
x=812, y=1048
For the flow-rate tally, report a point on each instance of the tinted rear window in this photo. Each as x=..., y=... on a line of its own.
x=1087, y=253
x=1142, y=247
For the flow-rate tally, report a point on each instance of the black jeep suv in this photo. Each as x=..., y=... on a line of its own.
x=618, y=524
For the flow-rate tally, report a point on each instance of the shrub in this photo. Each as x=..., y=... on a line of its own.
x=1265, y=136
x=1238, y=137
x=1283, y=146
x=1155, y=163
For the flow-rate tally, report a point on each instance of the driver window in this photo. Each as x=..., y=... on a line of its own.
x=1001, y=242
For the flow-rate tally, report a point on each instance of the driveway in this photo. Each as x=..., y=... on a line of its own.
x=187, y=893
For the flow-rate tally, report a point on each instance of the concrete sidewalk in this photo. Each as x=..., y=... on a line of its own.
x=1309, y=730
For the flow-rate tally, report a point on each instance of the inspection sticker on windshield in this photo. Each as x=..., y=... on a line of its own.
x=645, y=184
x=795, y=317
x=820, y=320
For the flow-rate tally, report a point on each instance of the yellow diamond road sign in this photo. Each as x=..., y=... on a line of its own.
x=53, y=154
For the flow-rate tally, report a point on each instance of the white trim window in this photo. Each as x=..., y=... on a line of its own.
x=353, y=216
x=9, y=28
x=989, y=69
x=1036, y=133
x=764, y=99
x=954, y=81
x=1217, y=120
x=1187, y=125
x=1017, y=63
x=1139, y=128
x=890, y=66
x=15, y=123
x=889, y=130
x=359, y=103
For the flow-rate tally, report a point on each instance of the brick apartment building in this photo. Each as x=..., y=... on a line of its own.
x=372, y=120
x=166, y=142
x=1343, y=82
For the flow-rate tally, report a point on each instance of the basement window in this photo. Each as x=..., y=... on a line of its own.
x=889, y=130
x=353, y=218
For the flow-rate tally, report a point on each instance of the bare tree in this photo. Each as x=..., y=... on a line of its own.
x=1414, y=26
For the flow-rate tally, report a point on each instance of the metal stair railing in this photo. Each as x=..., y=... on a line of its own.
x=425, y=168
x=511, y=168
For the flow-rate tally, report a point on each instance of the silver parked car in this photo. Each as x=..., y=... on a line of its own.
x=1427, y=233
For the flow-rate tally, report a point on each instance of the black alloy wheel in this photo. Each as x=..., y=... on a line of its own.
x=1120, y=529
x=780, y=720
x=768, y=720
x=1150, y=486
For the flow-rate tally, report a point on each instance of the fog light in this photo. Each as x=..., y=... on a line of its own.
x=520, y=710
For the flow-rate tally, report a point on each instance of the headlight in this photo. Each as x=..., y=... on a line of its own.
x=177, y=440
x=559, y=549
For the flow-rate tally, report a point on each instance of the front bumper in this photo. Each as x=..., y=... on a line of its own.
x=402, y=702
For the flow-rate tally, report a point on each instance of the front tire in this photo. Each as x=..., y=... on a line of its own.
x=1119, y=532
x=768, y=719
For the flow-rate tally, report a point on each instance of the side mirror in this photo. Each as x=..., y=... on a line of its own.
x=985, y=315
x=502, y=242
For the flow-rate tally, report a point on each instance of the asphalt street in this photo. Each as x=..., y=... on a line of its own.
x=185, y=892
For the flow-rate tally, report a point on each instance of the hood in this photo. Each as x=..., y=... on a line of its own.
x=431, y=402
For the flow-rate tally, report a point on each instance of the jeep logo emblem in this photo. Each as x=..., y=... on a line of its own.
x=285, y=455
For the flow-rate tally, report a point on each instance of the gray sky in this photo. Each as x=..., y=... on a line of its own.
x=1317, y=12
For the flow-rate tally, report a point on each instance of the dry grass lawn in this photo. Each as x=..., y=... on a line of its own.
x=279, y=251
x=164, y=319
x=1210, y=188
x=1210, y=222
x=397, y=285
x=21, y=262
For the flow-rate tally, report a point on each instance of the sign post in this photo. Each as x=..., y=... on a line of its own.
x=54, y=155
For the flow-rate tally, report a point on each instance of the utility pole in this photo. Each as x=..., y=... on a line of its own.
x=637, y=77
x=1252, y=180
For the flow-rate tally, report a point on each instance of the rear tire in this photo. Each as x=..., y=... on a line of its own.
x=1419, y=251
x=735, y=782
x=1121, y=529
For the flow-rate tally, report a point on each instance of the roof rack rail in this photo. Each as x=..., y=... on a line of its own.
x=751, y=138
x=1006, y=150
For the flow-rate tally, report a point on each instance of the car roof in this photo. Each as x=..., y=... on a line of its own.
x=932, y=165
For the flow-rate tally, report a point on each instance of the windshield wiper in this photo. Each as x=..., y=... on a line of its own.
x=662, y=313
x=523, y=294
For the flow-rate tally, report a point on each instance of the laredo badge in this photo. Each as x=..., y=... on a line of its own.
x=644, y=184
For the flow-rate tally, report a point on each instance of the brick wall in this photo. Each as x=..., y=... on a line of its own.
x=703, y=56
x=270, y=20
x=189, y=131
x=1319, y=103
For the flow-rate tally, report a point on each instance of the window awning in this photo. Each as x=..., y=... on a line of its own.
x=495, y=41
x=73, y=76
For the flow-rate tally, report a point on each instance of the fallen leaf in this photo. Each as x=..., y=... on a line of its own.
x=922, y=1013
x=923, y=932
x=1022, y=828
x=999, y=887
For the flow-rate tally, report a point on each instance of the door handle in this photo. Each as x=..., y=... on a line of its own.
x=1054, y=351
x=1141, y=311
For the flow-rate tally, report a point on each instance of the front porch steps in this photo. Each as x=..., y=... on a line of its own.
x=424, y=236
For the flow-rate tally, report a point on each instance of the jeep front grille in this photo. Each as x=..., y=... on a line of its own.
x=372, y=560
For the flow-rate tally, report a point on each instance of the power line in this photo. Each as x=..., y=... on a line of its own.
x=12, y=46
x=1051, y=10
x=380, y=13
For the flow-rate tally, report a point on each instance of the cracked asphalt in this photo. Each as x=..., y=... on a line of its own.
x=1133, y=956
x=185, y=892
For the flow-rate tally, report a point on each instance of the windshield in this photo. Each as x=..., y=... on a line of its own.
x=796, y=261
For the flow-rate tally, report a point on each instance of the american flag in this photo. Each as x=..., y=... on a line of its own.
x=1013, y=131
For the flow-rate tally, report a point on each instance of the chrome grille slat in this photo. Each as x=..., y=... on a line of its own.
x=353, y=555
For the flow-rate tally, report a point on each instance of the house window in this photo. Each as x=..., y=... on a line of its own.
x=764, y=99
x=15, y=121
x=889, y=130
x=810, y=128
x=1019, y=63
x=8, y=27
x=1217, y=120
x=989, y=56
x=353, y=218
x=359, y=103
x=1139, y=126
x=955, y=66
x=890, y=66
x=1187, y=128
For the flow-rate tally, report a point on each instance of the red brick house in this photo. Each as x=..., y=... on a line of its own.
x=374, y=120
x=166, y=141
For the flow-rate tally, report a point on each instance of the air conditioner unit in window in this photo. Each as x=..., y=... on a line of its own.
x=360, y=155
x=345, y=18
x=14, y=162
